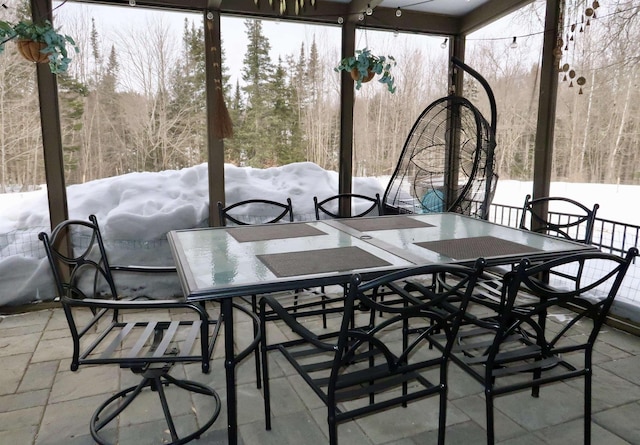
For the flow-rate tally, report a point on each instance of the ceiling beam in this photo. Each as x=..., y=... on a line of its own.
x=182, y=5
x=413, y=21
x=489, y=12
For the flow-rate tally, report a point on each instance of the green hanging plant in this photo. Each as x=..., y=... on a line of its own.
x=363, y=66
x=39, y=43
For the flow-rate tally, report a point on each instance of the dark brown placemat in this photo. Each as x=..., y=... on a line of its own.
x=310, y=262
x=244, y=234
x=481, y=246
x=384, y=223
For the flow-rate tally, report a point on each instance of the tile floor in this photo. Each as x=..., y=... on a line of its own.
x=43, y=403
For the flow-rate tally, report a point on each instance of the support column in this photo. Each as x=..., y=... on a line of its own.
x=347, y=100
x=215, y=146
x=543, y=154
x=50, y=124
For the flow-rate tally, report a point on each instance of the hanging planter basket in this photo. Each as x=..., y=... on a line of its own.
x=355, y=74
x=30, y=50
x=364, y=62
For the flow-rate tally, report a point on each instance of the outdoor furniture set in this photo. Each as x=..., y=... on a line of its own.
x=419, y=292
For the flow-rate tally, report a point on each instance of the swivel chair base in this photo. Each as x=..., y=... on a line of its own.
x=155, y=378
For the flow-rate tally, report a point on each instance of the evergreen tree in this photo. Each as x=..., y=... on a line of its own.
x=232, y=147
x=256, y=73
x=187, y=108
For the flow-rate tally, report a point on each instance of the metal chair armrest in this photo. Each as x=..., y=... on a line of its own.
x=293, y=323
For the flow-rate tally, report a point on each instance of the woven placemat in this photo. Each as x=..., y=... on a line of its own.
x=311, y=262
x=476, y=247
x=245, y=234
x=384, y=223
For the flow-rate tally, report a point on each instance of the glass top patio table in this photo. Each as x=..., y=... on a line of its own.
x=224, y=262
x=236, y=261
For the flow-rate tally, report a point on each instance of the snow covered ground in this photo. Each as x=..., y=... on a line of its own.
x=136, y=210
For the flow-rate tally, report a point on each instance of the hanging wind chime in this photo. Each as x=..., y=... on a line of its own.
x=298, y=5
x=562, y=47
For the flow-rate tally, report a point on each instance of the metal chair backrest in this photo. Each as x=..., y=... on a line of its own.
x=331, y=206
x=84, y=272
x=574, y=222
x=269, y=212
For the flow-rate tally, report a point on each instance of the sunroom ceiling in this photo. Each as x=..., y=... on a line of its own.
x=448, y=17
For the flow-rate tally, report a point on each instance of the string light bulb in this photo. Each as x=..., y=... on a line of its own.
x=340, y=20
x=514, y=44
x=443, y=45
x=132, y=2
x=369, y=10
x=398, y=12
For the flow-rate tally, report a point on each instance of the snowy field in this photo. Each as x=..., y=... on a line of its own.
x=136, y=210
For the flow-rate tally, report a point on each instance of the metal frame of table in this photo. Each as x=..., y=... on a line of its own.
x=213, y=265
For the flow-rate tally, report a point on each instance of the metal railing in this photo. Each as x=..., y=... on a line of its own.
x=609, y=236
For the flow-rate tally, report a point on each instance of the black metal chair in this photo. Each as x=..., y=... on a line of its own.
x=331, y=206
x=137, y=334
x=523, y=350
x=370, y=368
x=269, y=211
x=575, y=222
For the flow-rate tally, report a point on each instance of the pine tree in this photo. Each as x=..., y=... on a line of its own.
x=256, y=73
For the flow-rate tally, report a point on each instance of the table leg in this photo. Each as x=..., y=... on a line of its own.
x=230, y=370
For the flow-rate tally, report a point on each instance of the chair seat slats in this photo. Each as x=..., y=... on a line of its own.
x=357, y=390
x=142, y=340
x=192, y=334
x=167, y=338
x=525, y=367
x=117, y=341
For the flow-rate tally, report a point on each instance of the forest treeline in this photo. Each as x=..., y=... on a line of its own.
x=141, y=106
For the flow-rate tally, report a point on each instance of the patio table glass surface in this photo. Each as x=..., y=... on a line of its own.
x=469, y=238
x=213, y=262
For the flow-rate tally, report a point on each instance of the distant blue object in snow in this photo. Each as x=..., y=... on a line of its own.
x=433, y=202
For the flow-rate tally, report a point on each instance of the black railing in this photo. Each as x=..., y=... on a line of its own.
x=609, y=236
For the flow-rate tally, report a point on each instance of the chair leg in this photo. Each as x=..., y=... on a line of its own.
x=265, y=374
x=157, y=386
x=333, y=427
x=129, y=394
x=587, y=407
x=442, y=421
x=256, y=355
x=489, y=408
